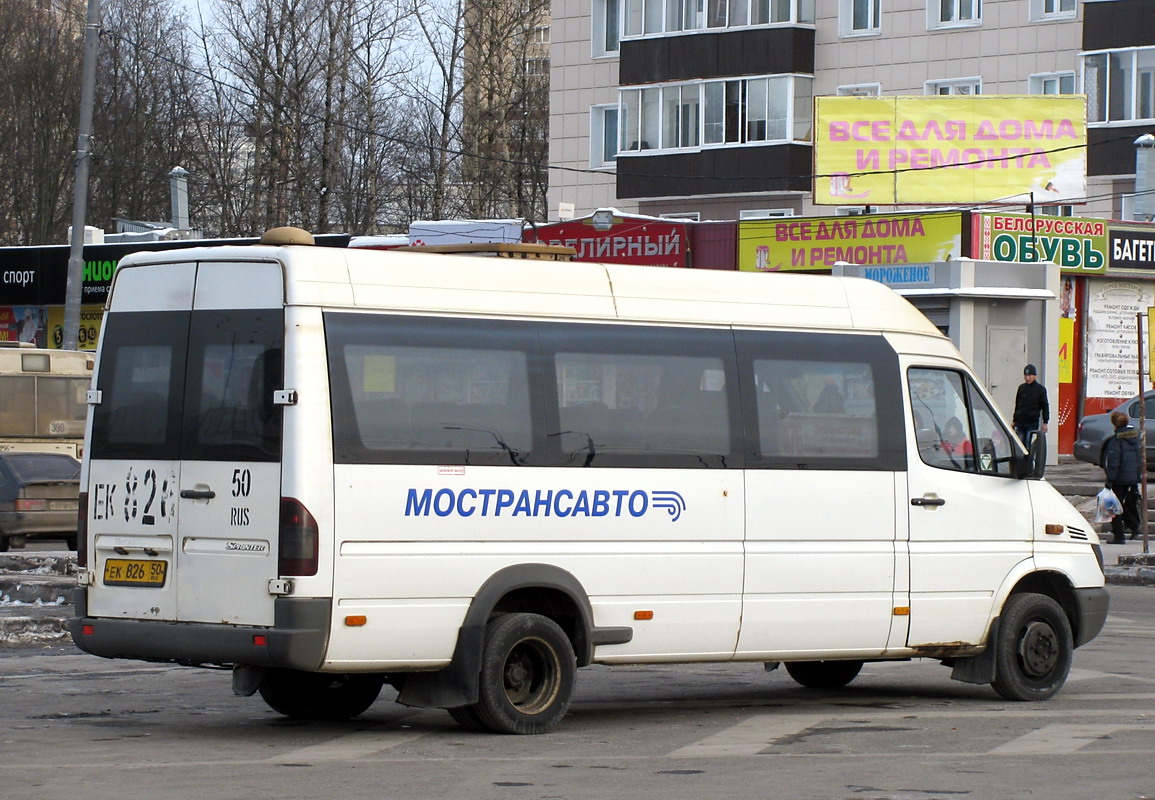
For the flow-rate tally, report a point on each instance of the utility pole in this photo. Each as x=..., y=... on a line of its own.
x=74, y=293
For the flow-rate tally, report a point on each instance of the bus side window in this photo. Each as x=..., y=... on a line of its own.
x=955, y=427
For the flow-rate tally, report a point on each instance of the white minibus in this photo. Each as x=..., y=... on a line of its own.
x=332, y=469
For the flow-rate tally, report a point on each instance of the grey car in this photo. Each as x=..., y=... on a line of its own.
x=39, y=497
x=1096, y=429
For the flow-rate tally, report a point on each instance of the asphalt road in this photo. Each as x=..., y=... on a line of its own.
x=72, y=724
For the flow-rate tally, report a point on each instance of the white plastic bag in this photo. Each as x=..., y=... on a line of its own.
x=1107, y=506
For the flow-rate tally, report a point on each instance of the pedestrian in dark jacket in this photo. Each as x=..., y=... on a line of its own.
x=1121, y=462
x=1030, y=406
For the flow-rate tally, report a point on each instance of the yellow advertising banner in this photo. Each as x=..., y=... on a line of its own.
x=1066, y=350
x=91, y=318
x=950, y=149
x=1150, y=345
x=786, y=244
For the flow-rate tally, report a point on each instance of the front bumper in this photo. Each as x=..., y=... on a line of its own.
x=297, y=640
x=1091, y=616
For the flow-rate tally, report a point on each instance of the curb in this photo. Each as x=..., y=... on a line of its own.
x=34, y=623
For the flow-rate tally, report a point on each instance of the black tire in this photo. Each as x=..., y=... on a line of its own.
x=1034, y=648
x=527, y=675
x=824, y=674
x=319, y=695
x=468, y=718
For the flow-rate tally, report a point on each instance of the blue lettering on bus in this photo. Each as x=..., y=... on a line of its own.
x=543, y=503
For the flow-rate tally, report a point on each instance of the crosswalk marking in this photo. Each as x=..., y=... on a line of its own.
x=749, y=737
x=1058, y=739
x=348, y=747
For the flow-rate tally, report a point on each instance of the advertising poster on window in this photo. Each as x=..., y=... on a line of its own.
x=1112, y=337
x=23, y=324
x=950, y=149
x=1078, y=245
x=787, y=244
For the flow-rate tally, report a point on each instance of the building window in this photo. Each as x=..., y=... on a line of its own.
x=607, y=24
x=1046, y=10
x=1053, y=83
x=860, y=90
x=1055, y=211
x=680, y=116
x=650, y=17
x=953, y=13
x=1120, y=85
x=857, y=17
x=771, y=108
x=961, y=86
x=539, y=34
x=537, y=67
x=688, y=216
x=604, y=136
x=765, y=213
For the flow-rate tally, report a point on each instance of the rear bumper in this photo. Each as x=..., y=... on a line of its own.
x=38, y=523
x=1085, y=451
x=297, y=639
x=1092, y=613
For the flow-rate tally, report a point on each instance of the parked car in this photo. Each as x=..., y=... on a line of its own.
x=39, y=497
x=1096, y=429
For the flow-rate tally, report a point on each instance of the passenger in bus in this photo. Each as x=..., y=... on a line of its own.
x=830, y=400
x=954, y=439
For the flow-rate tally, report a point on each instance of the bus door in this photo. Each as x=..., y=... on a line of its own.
x=185, y=463
x=823, y=415
x=970, y=519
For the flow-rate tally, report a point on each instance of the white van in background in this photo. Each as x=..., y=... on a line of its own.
x=330, y=469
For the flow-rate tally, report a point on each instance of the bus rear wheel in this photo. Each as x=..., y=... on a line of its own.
x=824, y=674
x=319, y=695
x=527, y=675
x=1034, y=648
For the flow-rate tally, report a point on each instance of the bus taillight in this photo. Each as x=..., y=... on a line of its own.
x=298, y=545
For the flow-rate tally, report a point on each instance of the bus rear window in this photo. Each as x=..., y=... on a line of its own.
x=190, y=386
x=141, y=381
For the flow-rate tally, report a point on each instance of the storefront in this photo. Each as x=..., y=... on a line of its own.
x=612, y=237
x=1110, y=326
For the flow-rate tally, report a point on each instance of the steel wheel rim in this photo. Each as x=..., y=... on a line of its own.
x=1038, y=649
x=531, y=676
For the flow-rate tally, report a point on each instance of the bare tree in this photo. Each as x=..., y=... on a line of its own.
x=39, y=103
x=432, y=167
x=145, y=120
x=332, y=114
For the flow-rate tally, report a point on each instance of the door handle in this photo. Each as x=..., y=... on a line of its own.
x=201, y=494
x=927, y=501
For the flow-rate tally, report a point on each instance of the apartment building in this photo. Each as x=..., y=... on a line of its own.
x=703, y=108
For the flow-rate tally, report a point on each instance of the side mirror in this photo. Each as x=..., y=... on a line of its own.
x=1034, y=463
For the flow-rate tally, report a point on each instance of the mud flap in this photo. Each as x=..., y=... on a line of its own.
x=457, y=684
x=981, y=668
x=247, y=679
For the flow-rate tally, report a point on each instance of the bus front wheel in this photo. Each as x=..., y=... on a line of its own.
x=1033, y=649
x=823, y=674
x=527, y=675
x=319, y=695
